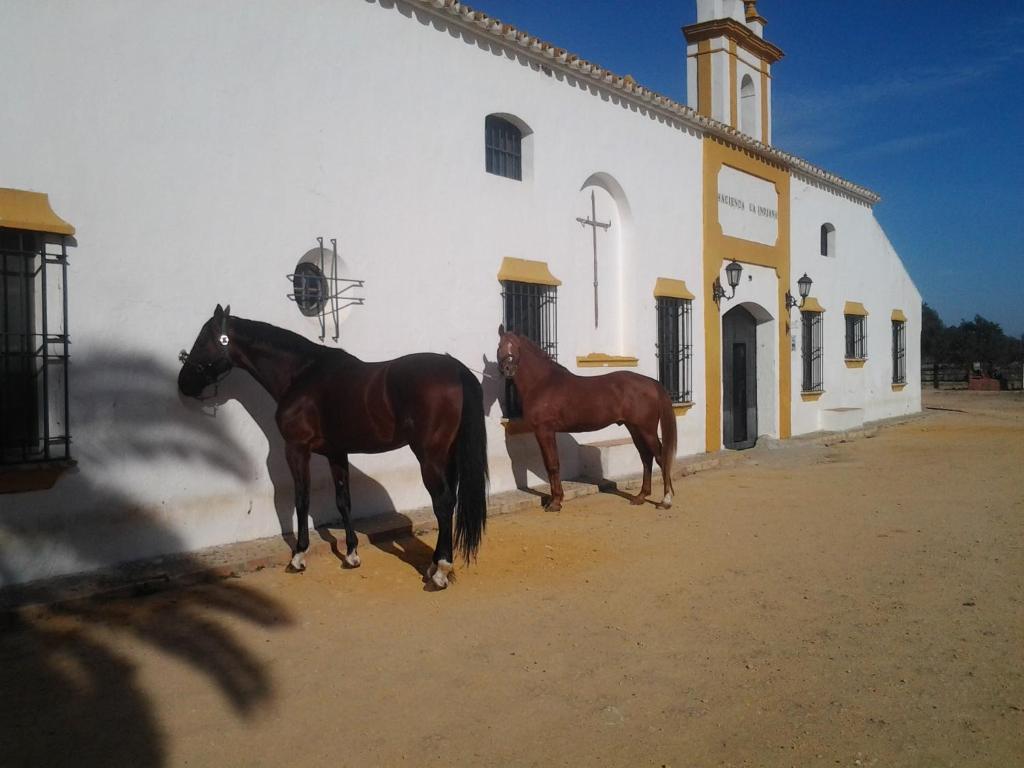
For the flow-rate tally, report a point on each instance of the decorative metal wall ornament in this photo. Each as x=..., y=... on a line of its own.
x=319, y=292
x=592, y=222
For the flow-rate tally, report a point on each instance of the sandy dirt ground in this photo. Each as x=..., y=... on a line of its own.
x=859, y=604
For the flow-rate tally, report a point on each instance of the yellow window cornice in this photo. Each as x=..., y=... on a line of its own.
x=898, y=316
x=30, y=211
x=855, y=308
x=672, y=289
x=526, y=271
x=811, y=304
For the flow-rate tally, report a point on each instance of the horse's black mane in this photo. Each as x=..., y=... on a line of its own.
x=272, y=337
x=528, y=342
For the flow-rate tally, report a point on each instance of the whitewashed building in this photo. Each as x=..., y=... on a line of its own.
x=181, y=154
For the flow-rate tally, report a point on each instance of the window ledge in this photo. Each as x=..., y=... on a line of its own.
x=809, y=396
x=601, y=360
x=855, y=362
x=21, y=478
x=682, y=408
x=899, y=387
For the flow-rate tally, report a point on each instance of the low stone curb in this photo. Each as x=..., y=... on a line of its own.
x=231, y=560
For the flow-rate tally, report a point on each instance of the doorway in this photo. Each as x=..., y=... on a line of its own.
x=739, y=379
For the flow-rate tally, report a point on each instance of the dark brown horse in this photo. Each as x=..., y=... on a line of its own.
x=555, y=400
x=333, y=404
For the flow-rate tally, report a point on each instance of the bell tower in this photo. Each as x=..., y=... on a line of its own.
x=729, y=66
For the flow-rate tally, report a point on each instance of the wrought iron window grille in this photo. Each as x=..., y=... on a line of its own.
x=899, y=352
x=530, y=309
x=675, y=347
x=319, y=292
x=34, y=408
x=812, y=352
x=856, y=341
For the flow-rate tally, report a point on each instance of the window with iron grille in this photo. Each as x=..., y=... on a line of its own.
x=811, y=351
x=675, y=345
x=503, y=143
x=855, y=340
x=34, y=350
x=531, y=311
x=899, y=352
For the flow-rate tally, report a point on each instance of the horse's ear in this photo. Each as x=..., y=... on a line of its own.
x=218, y=311
x=501, y=329
x=227, y=310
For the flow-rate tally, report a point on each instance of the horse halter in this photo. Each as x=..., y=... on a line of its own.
x=202, y=368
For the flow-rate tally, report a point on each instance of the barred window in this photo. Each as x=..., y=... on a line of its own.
x=530, y=310
x=828, y=240
x=675, y=345
x=503, y=144
x=811, y=351
x=899, y=352
x=856, y=348
x=34, y=351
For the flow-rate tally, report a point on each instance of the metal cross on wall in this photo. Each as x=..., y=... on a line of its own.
x=594, y=223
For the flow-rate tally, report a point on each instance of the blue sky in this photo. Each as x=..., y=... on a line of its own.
x=921, y=101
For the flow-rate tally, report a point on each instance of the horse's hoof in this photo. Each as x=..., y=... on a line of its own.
x=352, y=560
x=438, y=573
x=298, y=561
x=554, y=506
x=663, y=505
x=636, y=501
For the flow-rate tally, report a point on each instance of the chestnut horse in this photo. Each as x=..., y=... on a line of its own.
x=556, y=400
x=333, y=404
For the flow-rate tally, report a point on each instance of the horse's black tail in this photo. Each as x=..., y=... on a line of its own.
x=471, y=468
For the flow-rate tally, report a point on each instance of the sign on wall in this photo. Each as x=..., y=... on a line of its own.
x=748, y=207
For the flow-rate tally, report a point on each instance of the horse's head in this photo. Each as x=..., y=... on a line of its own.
x=508, y=352
x=210, y=360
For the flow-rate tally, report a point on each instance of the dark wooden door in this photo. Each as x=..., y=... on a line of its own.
x=739, y=379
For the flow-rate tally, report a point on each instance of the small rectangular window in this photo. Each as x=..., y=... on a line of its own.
x=811, y=351
x=675, y=347
x=530, y=310
x=856, y=348
x=899, y=352
x=503, y=145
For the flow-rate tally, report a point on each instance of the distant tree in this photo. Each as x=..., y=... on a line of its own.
x=981, y=341
x=933, y=335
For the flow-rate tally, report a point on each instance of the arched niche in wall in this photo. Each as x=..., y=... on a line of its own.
x=748, y=106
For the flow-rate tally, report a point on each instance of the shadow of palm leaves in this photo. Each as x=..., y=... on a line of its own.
x=71, y=694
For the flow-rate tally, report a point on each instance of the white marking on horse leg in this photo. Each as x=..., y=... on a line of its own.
x=666, y=503
x=438, y=573
x=353, y=560
x=299, y=561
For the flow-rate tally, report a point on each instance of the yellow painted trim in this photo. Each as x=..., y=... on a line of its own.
x=855, y=362
x=681, y=409
x=30, y=211
x=764, y=103
x=810, y=397
x=516, y=427
x=854, y=308
x=899, y=387
x=898, y=316
x=719, y=248
x=811, y=304
x=526, y=271
x=672, y=289
x=734, y=112
x=704, y=77
x=601, y=360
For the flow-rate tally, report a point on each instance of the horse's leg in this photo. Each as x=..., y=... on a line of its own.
x=549, y=452
x=297, y=455
x=343, y=498
x=438, y=480
x=647, y=457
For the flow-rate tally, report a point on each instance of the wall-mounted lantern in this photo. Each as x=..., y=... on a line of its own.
x=732, y=274
x=804, y=286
